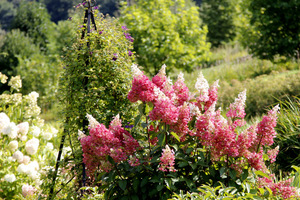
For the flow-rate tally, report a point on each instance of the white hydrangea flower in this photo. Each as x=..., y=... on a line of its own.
x=32, y=146
x=54, y=131
x=22, y=168
x=49, y=146
x=194, y=110
x=32, y=97
x=4, y=120
x=23, y=137
x=11, y=159
x=159, y=94
x=136, y=72
x=15, y=82
x=3, y=78
x=92, y=121
x=26, y=160
x=13, y=145
x=180, y=77
x=23, y=128
x=162, y=71
x=10, y=178
x=16, y=98
x=35, y=131
x=11, y=130
x=47, y=135
x=202, y=86
x=34, y=165
x=80, y=134
x=18, y=155
x=240, y=100
x=33, y=174
x=116, y=121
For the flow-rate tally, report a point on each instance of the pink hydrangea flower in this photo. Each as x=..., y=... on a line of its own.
x=212, y=94
x=181, y=91
x=167, y=160
x=115, y=142
x=160, y=78
x=265, y=129
x=28, y=190
x=181, y=126
x=163, y=109
x=282, y=189
x=273, y=154
x=237, y=109
x=142, y=88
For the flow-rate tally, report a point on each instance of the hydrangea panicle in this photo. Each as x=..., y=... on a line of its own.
x=202, y=87
x=167, y=160
x=212, y=94
x=266, y=129
x=160, y=78
x=273, y=154
x=181, y=91
x=142, y=88
x=237, y=109
x=92, y=121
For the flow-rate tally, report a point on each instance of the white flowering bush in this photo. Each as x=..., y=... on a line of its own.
x=27, y=144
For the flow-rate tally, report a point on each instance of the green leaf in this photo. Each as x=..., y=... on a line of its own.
x=183, y=164
x=260, y=173
x=159, y=187
x=223, y=172
x=175, y=136
x=232, y=173
x=122, y=184
x=144, y=181
x=142, y=108
x=161, y=139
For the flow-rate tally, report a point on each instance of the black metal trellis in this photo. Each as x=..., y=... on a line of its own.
x=88, y=18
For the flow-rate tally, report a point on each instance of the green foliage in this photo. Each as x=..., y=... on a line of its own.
x=288, y=132
x=33, y=19
x=96, y=79
x=261, y=92
x=7, y=13
x=276, y=28
x=16, y=44
x=167, y=32
x=40, y=73
x=218, y=16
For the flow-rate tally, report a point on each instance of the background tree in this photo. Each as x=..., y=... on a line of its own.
x=33, y=19
x=166, y=32
x=7, y=13
x=277, y=28
x=16, y=44
x=218, y=16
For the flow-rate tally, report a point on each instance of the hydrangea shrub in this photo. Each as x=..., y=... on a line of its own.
x=28, y=148
x=186, y=143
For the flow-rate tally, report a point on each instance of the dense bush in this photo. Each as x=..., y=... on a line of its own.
x=277, y=26
x=15, y=44
x=96, y=79
x=168, y=32
x=218, y=16
x=261, y=91
x=186, y=144
x=28, y=145
x=33, y=19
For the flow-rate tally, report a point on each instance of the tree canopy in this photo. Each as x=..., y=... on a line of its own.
x=166, y=32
